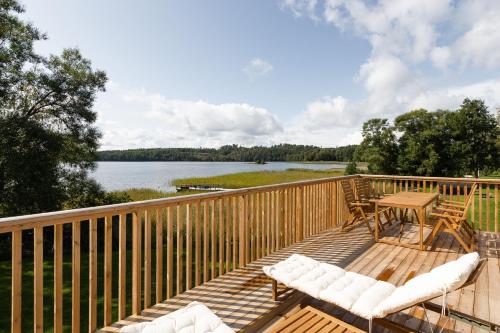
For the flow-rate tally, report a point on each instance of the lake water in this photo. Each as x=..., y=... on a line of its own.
x=158, y=175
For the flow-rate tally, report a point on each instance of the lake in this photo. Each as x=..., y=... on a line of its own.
x=158, y=175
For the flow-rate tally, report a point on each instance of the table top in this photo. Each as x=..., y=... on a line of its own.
x=408, y=200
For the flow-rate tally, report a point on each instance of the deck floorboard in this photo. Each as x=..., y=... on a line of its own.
x=242, y=298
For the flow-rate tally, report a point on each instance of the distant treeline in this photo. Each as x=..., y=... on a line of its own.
x=233, y=153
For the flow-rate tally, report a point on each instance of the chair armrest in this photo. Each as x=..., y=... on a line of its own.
x=452, y=204
x=450, y=210
x=361, y=204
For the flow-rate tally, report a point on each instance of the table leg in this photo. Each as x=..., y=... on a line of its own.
x=376, y=222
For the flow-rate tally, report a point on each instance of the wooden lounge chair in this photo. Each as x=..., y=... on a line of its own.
x=451, y=216
x=370, y=298
x=360, y=211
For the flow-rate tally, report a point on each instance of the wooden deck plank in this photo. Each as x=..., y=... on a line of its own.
x=242, y=298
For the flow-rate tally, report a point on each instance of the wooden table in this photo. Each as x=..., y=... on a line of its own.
x=310, y=319
x=417, y=201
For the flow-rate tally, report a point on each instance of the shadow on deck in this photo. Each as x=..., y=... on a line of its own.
x=242, y=299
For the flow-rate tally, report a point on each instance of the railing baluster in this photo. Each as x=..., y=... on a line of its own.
x=136, y=263
x=241, y=225
x=122, y=266
x=213, y=240
x=75, y=313
x=170, y=252
x=496, y=208
x=197, y=241
x=221, y=235
x=17, y=273
x=159, y=255
x=180, y=238
x=38, y=280
x=189, y=247
x=234, y=222
x=58, y=277
x=147, y=258
x=206, y=235
x=487, y=207
x=108, y=266
x=92, y=275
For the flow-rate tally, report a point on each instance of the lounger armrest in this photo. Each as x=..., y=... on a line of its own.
x=361, y=204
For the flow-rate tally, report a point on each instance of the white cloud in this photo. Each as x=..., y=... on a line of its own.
x=152, y=120
x=257, y=67
x=404, y=36
x=301, y=8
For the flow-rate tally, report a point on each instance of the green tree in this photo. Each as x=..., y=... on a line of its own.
x=351, y=168
x=379, y=147
x=48, y=137
x=424, y=143
x=475, y=133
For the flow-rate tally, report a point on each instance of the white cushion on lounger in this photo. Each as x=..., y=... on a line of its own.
x=193, y=318
x=363, y=295
x=447, y=277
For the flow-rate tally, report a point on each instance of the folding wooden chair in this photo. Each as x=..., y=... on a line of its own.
x=359, y=211
x=366, y=193
x=452, y=216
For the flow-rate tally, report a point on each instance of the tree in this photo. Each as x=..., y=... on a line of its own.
x=475, y=133
x=379, y=147
x=48, y=137
x=351, y=168
x=424, y=143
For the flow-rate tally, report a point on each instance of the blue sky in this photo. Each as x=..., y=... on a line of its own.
x=208, y=73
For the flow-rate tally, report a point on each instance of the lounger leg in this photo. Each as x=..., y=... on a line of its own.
x=275, y=290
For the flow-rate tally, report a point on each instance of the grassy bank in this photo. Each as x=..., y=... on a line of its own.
x=259, y=178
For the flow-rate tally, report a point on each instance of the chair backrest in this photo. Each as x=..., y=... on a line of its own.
x=468, y=199
x=364, y=190
x=349, y=196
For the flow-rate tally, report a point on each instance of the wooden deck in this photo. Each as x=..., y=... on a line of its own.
x=243, y=298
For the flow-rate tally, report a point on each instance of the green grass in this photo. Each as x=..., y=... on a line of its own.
x=259, y=178
x=140, y=194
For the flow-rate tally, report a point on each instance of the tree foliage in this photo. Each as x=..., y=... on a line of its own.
x=440, y=143
x=234, y=153
x=48, y=139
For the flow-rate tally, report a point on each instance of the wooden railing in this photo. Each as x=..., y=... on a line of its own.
x=484, y=210
x=106, y=263
x=109, y=262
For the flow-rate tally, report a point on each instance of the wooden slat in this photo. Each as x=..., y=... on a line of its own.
x=147, y=258
x=75, y=268
x=189, y=247
x=17, y=267
x=206, y=237
x=180, y=238
x=242, y=226
x=170, y=252
x=38, y=280
x=58, y=278
x=213, y=244
x=197, y=245
x=136, y=263
x=488, y=221
x=108, y=269
x=496, y=208
x=122, y=266
x=233, y=222
x=159, y=256
x=92, y=275
x=221, y=236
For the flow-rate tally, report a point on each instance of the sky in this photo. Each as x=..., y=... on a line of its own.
x=262, y=72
